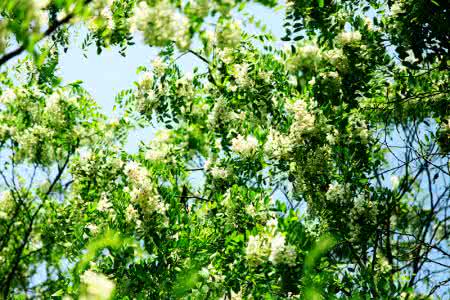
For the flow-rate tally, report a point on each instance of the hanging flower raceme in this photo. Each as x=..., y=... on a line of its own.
x=143, y=192
x=161, y=24
x=271, y=246
x=244, y=146
x=96, y=286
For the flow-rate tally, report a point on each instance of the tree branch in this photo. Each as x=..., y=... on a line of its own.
x=5, y=58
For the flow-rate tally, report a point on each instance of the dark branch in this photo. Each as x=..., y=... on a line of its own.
x=5, y=58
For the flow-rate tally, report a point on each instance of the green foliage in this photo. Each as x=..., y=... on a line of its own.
x=267, y=177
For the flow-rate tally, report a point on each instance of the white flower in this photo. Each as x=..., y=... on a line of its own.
x=307, y=56
x=309, y=51
x=228, y=34
x=349, y=37
x=257, y=249
x=220, y=173
x=244, y=146
x=199, y=8
x=52, y=101
x=394, y=182
x=358, y=128
x=131, y=214
x=290, y=255
x=277, y=144
x=411, y=58
x=397, y=8
x=159, y=66
x=218, y=143
x=185, y=86
x=240, y=72
x=161, y=24
x=272, y=224
x=92, y=228
x=136, y=172
x=335, y=57
x=226, y=55
x=98, y=286
x=292, y=80
x=303, y=120
x=280, y=252
x=6, y=204
x=207, y=164
x=34, y=140
x=251, y=210
x=156, y=154
x=146, y=81
x=104, y=204
x=204, y=273
x=210, y=37
x=219, y=113
x=8, y=96
x=277, y=249
x=312, y=227
x=339, y=194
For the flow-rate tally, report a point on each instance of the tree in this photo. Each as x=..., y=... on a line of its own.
x=267, y=177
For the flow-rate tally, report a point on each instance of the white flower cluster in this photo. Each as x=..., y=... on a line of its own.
x=93, y=229
x=312, y=228
x=146, y=81
x=244, y=146
x=132, y=215
x=199, y=8
x=280, y=252
x=307, y=56
x=185, y=86
x=349, y=38
x=102, y=15
x=34, y=138
x=240, y=73
x=277, y=144
x=339, y=194
x=270, y=246
x=6, y=204
x=337, y=59
x=258, y=249
x=357, y=212
x=147, y=99
x=216, y=172
x=397, y=8
x=411, y=58
x=40, y=125
x=97, y=286
x=161, y=24
x=8, y=96
x=225, y=55
x=303, y=120
x=143, y=192
x=159, y=66
x=363, y=213
x=104, y=205
x=220, y=113
x=159, y=147
x=228, y=34
x=219, y=173
x=357, y=129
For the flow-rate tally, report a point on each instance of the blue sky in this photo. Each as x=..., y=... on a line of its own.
x=107, y=74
